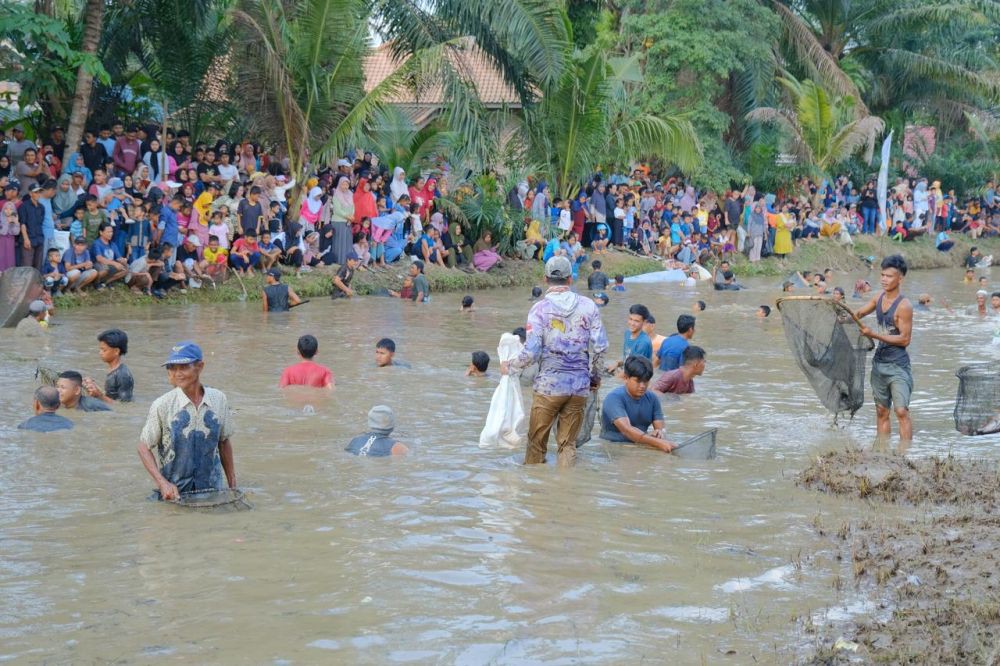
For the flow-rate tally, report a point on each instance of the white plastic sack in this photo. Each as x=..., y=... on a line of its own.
x=505, y=423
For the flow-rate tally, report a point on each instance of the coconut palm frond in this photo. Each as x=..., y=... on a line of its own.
x=672, y=139
x=851, y=138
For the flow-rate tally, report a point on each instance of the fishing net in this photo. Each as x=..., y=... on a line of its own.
x=699, y=447
x=829, y=348
x=977, y=407
x=228, y=499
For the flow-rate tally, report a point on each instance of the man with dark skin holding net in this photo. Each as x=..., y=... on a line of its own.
x=892, y=380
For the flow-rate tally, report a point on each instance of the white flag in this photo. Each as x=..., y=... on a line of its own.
x=883, y=182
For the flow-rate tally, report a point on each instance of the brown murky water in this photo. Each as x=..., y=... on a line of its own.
x=455, y=554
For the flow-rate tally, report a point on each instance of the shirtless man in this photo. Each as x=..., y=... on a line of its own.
x=892, y=380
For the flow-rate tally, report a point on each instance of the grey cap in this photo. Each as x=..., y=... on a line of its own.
x=37, y=307
x=381, y=419
x=558, y=268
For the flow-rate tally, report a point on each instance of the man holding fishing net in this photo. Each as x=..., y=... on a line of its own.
x=891, y=378
x=185, y=443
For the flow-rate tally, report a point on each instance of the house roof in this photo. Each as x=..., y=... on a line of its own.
x=468, y=59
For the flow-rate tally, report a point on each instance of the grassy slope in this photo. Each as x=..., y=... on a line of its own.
x=317, y=283
x=821, y=254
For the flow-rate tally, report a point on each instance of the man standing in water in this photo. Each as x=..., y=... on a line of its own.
x=566, y=338
x=892, y=381
x=185, y=443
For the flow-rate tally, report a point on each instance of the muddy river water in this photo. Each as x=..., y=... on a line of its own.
x=454, y=555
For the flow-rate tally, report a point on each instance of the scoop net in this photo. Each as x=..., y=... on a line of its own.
x=699, y=447
x=829, y=348
x=228, y=499
x=977, y=407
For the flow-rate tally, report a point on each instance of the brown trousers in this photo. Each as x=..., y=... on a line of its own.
x=545, y=409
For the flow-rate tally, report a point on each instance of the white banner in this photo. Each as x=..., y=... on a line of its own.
x=883, y=183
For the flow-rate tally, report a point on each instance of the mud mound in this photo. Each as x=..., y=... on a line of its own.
x=893, y=478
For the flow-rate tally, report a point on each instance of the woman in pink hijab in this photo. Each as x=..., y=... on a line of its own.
x=309, y=213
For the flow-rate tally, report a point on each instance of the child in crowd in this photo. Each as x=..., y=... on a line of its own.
x=619, y=283
x=245, y=254
x=269, y=252
x=54, y=272
x=216, y=257
x=600, y=244
x=139, y=232
x=76, y=228
x=480, y=363
x=217, y=227
x=274, y=218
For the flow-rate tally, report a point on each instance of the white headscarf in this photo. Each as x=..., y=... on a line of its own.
x=314, y=202
x=398, y=186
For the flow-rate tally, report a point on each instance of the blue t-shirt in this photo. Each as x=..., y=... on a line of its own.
x=48, y=268
x=942, y=238
x=676, y=234
x=168, y=223
x=71, y=257
x=672, y=351
x=99, y=249
x=641, y=412
x=640, y=346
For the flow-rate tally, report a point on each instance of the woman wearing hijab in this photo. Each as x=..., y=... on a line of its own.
x=341, y=217
x=10, y=227
x=65, y=199
x=398, y=187
x=309, y=212
x=921, y=203
x=5, y=168
x=756, y=228
x=687, y=200
x=484, y=255
x=540, y=204
x=75, y=164
x=364, y=205
x=153, y=158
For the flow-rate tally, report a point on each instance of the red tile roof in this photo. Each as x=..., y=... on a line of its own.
x=468, y=59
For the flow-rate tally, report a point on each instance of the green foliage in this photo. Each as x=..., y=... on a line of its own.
x=42, y=55
x=589, y=121
x=398, y=142
x=480, y=205
x=822, y=131
x=710, y=59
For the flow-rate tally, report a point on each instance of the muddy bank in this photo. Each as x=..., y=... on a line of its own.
x=317, y=283
x=813, y=255
x=934, y=571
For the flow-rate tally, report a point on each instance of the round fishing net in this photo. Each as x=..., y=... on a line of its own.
x=829, y=349
x=228, y=499
x=977, y=407
x=699, y=447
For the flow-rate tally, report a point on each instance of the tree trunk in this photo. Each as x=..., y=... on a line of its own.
x=94, y=18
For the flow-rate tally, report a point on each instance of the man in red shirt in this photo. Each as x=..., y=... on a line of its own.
x=305, y=372
x=681, y=380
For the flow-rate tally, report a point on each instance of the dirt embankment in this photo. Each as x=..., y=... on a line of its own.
x=937, y=570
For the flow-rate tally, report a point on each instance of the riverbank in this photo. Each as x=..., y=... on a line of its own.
x=317, y=283
x=820, y=254
x=933, y=571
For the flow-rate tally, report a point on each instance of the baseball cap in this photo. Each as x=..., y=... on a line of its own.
x=274, y=272
x=81, y=240
x=213, y=185
x=600, y=298
x=342, y=162
x=116, y=183
x=183, y=353
x=558, y=268
x=353, y=255
x=37, y=307
x=35, y=188
x=194, y=240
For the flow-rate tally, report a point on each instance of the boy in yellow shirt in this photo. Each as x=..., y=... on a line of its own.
x=216, y=256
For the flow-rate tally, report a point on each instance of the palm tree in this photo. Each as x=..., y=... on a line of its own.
x=399, y=143
x=936, y=57
x=820, y=130
x=93, y=19
x=586, y=121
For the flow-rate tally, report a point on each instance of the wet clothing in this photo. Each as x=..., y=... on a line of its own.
x=673, y=381
x=545, y=410
x=891, y=377
x=641, y=413
x=119, y=384
x=597, y=281
x=88, y=404
x=346, y=274
x=672, y=352
x=371, y=445
x=46, y=422
x=29, y=327
x=277, y=297
x=886, y=353
x=566, y=338
x=421, y=288
x=184, y=438
x=641, y=345
x=306, y=373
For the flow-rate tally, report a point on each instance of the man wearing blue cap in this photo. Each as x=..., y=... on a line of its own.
x=185, y=443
